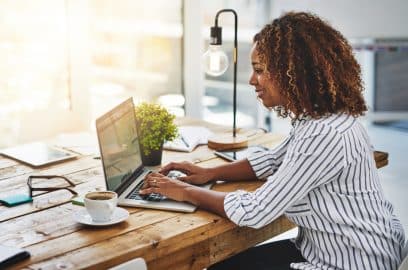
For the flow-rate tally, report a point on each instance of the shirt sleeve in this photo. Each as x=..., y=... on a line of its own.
x=266, y=163
x=308, y=163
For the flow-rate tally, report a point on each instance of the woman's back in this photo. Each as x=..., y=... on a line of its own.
x=346, y=222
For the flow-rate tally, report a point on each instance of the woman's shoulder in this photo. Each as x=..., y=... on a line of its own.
x=335, y=123
x=338, y=122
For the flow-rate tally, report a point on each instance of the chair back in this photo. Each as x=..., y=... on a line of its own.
x=404, y=263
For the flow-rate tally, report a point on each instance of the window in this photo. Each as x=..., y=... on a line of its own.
x=66, y=62
x=34, y=69
x=136, y=50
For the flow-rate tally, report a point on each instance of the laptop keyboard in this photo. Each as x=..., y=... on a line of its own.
x=155, y=197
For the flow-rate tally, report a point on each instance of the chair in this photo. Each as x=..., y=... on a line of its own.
x=134, y=264
x=381, y=159
x=404, y=263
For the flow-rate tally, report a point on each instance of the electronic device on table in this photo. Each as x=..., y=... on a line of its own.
x=240, y=153
x=37, y=154
x=122, y=161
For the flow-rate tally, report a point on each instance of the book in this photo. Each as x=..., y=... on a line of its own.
x=78, y=200
x=189, y=137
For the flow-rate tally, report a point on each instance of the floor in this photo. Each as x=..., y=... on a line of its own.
x=394, y=177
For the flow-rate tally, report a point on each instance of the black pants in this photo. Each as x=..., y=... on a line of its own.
x=275, y=255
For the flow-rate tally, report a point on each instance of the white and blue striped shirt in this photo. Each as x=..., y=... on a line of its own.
x=323, y=178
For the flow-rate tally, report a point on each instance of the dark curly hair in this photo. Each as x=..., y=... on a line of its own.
x=313, y=66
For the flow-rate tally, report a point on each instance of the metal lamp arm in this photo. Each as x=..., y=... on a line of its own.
x=235, y=56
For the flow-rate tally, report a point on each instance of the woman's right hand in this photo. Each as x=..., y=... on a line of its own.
x=195, y=175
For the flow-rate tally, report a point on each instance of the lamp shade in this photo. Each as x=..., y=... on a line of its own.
x=215, y=61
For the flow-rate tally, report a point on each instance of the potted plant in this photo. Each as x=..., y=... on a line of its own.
x=154, y=126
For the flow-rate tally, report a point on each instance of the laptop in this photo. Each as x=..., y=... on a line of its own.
x=122, y=163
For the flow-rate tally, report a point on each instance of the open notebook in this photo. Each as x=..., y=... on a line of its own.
x=188, y=139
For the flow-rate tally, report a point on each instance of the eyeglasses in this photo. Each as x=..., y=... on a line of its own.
x=61, y=182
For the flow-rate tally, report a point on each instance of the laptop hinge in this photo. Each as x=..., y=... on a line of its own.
x=127, y=182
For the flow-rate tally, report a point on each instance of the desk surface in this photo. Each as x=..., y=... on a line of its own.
x=166, y=240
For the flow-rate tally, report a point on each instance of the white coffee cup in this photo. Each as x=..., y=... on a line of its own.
x=101, y=204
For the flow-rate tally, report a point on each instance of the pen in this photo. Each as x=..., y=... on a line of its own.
x=184, y=141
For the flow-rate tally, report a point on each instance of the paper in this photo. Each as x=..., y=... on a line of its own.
x=83, y=143
x=188, y=139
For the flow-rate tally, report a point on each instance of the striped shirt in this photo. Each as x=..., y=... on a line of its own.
x=324, y=179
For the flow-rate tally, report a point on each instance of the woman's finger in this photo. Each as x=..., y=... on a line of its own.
x=187, y=179
x=155, y=181
x=170, y=166
x=155, y=174
x=183, y=167
x=148, y=180
x=150, y=190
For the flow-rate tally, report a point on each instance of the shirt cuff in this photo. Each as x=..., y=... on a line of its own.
x=232, y=206
x=258, y=162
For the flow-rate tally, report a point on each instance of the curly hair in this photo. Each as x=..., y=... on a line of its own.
x=313, y=66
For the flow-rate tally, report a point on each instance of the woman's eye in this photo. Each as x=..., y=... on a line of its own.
x=258, y=71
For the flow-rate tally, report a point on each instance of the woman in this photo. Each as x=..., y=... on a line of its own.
x=322, y=177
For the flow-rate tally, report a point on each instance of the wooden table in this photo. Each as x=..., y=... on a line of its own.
x=166, y=240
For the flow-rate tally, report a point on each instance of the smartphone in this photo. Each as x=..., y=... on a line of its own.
x=241, y=153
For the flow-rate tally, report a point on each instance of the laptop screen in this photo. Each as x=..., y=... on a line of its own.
x=118, y=144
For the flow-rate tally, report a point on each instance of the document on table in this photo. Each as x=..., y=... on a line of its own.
x=188, y=139
x=83, y=143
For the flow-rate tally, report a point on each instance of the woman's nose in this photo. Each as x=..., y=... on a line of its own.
x=252, y=80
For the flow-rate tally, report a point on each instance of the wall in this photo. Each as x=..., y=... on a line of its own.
x=355, y=19
x=362, y=22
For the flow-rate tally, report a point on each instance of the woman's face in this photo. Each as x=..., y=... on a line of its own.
x=261, y=79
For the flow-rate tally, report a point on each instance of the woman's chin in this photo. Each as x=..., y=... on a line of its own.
x=267, y=103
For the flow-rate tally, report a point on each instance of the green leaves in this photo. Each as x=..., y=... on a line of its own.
x=154, y=126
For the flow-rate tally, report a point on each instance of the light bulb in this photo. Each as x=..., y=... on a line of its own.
x=215, y=61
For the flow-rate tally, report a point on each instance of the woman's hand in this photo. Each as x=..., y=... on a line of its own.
x=159, y=183
x=195, y=175
x=184, y=192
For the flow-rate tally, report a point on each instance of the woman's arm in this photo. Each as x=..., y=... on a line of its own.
x=210, y=200
x=182, y=191
x=268, y=161
x=238, y=170
x=313, y=161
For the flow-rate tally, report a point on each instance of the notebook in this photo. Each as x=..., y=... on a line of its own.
x=122, y=162
x=189, y=138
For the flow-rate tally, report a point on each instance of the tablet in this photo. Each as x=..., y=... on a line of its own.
x=241, y=153
x=37, y=154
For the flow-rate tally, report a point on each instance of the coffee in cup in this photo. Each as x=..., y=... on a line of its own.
x=100, y=205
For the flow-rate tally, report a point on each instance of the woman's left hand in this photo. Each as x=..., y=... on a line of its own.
x=161, y=184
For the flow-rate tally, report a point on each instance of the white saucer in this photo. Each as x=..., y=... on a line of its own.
x=82, y=216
